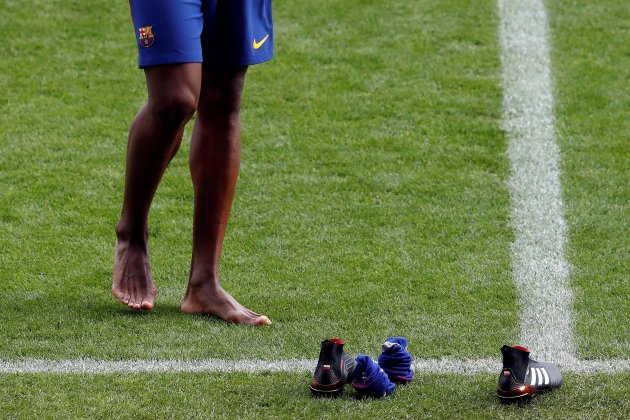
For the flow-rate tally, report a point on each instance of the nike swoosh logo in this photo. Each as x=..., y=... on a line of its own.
x=257, y=45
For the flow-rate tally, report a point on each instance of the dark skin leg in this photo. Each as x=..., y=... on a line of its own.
x=154, y=139
x=174, y=94
x=214, y=164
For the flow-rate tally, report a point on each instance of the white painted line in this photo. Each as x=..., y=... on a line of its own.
x=462, y=367
x=591, y=367
x=539, y=267
x=420, y=366
x=91, y=366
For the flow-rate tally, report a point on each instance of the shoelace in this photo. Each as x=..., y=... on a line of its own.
x=369, y=379
x=395, y=360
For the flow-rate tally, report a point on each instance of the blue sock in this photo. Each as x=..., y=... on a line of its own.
x=369, y=378
x=396, y=360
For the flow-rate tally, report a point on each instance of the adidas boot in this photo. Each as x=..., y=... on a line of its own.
x=522, y=378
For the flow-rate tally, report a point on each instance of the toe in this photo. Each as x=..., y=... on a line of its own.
x=241, y=318
x=147, y=303
x=132, y=300
x=252, y=313
x=263, y=320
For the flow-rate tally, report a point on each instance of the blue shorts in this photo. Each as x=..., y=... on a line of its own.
x=215, y=32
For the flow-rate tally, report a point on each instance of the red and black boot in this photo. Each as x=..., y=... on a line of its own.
x=334, y=369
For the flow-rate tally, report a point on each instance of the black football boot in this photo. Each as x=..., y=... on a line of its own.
x=522, y=378
x=333, y=370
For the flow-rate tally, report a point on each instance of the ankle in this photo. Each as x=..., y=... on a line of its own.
x=203, y=279
x=126, y=233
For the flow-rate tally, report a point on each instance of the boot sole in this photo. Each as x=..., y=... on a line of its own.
x=526, y=394
x=326, y=392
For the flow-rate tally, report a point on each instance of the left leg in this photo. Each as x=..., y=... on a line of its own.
x=154, y=138
x=214, y=163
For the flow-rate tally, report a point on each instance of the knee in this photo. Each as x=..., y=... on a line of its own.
x=223, y=99
x=176, y=108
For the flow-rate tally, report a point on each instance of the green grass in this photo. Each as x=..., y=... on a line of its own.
x=371, y=200
x=287, y=396
x=592, y=67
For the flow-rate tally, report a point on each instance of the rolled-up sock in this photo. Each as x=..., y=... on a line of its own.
x=395, y=360
x=369, y=379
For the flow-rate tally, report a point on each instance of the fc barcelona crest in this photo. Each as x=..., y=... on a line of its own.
x=145, y=36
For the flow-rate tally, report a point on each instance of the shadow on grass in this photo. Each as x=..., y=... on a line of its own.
x=162, y=310
x=114, y=308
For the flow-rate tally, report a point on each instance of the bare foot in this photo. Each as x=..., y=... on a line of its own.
x=211, y=299
x=132, y=283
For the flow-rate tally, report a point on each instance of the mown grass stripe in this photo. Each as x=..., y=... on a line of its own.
x=435, y=366
x=540, y=269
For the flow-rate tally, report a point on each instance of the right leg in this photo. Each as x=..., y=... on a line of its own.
x=214, y=161
x=154, y=138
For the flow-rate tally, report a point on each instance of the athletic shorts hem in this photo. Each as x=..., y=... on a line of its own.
x=164, y=60
x=223, y=62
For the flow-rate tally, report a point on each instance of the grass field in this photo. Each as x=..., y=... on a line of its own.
x=593, y=94
x=284, y=395
x=372, y=202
